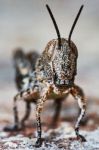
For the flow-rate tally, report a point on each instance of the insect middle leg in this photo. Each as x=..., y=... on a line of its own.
x=79, y=95
x=20, y=96
x=15, y=127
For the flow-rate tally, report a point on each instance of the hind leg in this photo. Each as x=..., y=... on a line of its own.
x=58, y=106
x=27, y=114
x=79, y=96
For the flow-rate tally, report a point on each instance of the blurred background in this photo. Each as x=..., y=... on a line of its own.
x=27, y=24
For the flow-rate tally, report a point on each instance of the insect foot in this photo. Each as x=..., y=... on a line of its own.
x=79, y=136
x=38, y=143
x=12, y=128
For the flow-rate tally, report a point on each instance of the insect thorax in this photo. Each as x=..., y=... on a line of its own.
x=58, y=64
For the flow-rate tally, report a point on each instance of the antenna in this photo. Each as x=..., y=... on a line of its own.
x=55, y=25
x=74, y=23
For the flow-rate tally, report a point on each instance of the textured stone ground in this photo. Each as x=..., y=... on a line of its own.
x=62, y=138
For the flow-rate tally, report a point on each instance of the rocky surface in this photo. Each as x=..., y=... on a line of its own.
x=62, y=138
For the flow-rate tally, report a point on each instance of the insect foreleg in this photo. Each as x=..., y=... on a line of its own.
x=40, y=104
x=79, y=95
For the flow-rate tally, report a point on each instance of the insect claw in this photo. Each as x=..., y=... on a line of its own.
x=38, y=143
x=81, y=138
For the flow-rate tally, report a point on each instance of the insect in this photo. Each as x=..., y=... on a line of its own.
x=55, y=73
x=24, y=65
x=58, y=64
